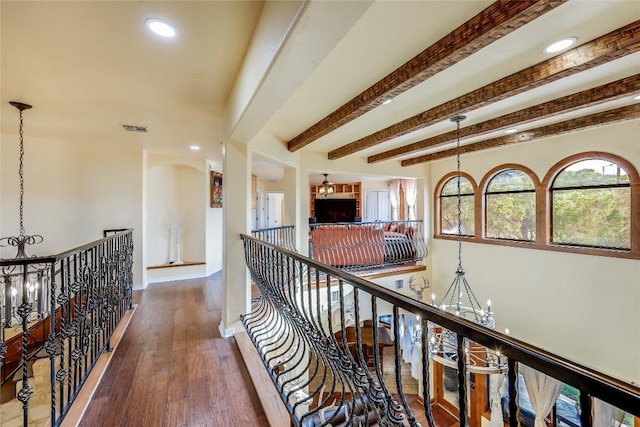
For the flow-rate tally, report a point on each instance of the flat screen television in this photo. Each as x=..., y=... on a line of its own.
x=335, y=210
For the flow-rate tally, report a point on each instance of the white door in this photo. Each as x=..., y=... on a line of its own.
x=275, y=201
x=261, y=214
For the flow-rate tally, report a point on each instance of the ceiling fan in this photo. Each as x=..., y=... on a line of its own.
x=327, y=186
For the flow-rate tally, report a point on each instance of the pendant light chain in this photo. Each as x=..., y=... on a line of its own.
x=21, y=175
x=22, y=240
x=458, y=119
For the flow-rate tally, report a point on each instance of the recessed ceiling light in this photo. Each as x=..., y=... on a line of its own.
x=386, y=101
x=560, y=45
x=511, y=131
x=194, y=147
x=160, y=28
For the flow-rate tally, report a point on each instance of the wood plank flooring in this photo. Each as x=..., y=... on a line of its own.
x=172, y=367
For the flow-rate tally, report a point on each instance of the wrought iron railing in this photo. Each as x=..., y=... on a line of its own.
x=344, y=351
x=281, y=236
x=367, y=245
x=63, y=308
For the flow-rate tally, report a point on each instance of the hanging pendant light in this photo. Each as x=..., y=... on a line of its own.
x=22, y=239
x=459, y=298
x=461, y=301
x=327, y=187
x=25, y=292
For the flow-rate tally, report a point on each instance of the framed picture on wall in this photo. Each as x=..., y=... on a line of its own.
x=216, y=189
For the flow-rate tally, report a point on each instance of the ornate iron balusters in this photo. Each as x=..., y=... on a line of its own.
x=299, y=327
x=301, y=323
x=67, y=305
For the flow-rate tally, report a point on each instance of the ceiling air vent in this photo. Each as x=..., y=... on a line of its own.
x=132, y=128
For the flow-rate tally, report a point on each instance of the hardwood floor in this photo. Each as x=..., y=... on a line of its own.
x=441, y=417
x=172, y=367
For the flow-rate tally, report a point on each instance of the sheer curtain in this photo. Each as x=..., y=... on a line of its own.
x=394, y=198
x=543, y=392
x=410, y=194
x=605, y=415
x=406, y=343
x=498, y=388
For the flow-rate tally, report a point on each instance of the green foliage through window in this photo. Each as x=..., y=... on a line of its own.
x=449, y=207
x=511, y=206
x=589, y=173
x=449, y=215
x=591, y=206
x=451, y=187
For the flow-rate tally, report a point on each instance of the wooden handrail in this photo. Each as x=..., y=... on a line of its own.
x=597, y=384
x=54, y=258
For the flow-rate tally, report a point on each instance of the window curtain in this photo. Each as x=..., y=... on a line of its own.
x=543, y=392
x=606, y=415
x=499, y=389
x=394, y=198
x=410, y=194
x=407, y=343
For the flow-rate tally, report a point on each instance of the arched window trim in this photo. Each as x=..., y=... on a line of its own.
x=634, y=184
x=538, y=189
x=438, y=211
x=543, y=210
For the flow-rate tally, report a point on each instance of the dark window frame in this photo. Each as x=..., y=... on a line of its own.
x=486, y=182
x=553, y=191
x=438, y=205
x=543, y=209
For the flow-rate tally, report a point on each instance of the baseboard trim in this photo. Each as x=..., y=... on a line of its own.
x=272, y=404
x=139, y=287
x=176, y=278
x=224, y=331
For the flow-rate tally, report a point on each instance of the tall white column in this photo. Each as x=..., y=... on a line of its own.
x=236, y=210
x=303, y=211
x=291, y=202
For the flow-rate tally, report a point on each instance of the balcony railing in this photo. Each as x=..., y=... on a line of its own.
x=280, y=236
x=367, y=245
x=60, y=310
x=344, y=351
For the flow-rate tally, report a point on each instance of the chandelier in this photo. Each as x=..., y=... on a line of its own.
x=327, y=187
x=22, y=239
x=24, y=294
x=461, y=301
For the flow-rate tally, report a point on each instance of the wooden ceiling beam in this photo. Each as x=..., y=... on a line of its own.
x=494, y=22
x=611, y=46
x=586, y=98
x=629, y=112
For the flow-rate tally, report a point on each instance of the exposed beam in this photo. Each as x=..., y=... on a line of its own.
x=629, y=112
x=614, y=45
x=586, y=98
x=494, y=22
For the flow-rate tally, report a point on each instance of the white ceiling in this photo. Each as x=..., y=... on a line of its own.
x=381, y=34
x=89, y=67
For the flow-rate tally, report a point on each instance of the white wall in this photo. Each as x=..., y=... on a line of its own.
x=160, y=189
x=183, y=181
x=174, y=193
x=72, y=192
x=75, y=190
x=213, y=232
x=586, y=308
x=269, y=35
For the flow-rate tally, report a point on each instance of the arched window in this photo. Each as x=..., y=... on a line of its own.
x=449, y=207
x=591, y=205
x=510, y=202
